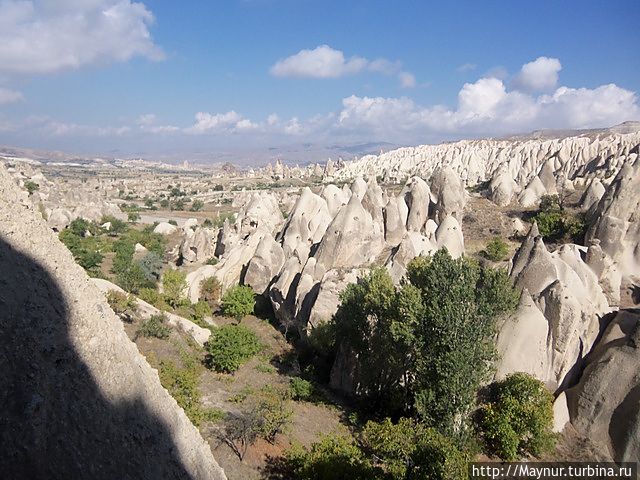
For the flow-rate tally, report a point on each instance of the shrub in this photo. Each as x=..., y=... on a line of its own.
x=272, y=407
x=122, y=304
x=241, y=430
x=230, y=346
x=207, y=223
x=496, y=249
x=210, y=291
x=183, y=385
x=332, y=458
x=31, y=186
x=132, y=278
x=152, y=296
x=557, y=224
x=79, y=226
x=238, y=302
x=301, y=389
x=117, y=225
x=151, y=265
x=155, y=326
x=201, y=309
x=197, y=205
x=164, y=203
x=211, y=261
x=133, y=217
x=174, y=283
x=519, y=420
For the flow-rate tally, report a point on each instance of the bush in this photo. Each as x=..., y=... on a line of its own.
x=211, y=261
x=229, y=347
x=122, y=304
x=152, y=296
x=210, y=291
x=238, y=302
x=155, y=327
x=197, y=205
x=174, y=283
x=201, y=310
x=519, y=420
x=133, y=217
x=151, y=265
x=332, y=458
x=84, y=250
x=301, y=389
x=31, y=186
x=117, y=225
x=557, y=224
x=132, y=278
x=496, y=249
x=183, y=385
x=272, y=407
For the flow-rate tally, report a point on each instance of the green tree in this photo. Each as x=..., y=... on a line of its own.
x=374, y=318
x=174, y=283
x=519, y=419
x=238, y=302
x=230, y=346
x=455, y=335
x=437, y=334
x=411, y=450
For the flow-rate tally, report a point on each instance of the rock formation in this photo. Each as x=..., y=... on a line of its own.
x=79, y=401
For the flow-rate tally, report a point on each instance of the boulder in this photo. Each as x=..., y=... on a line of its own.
x=165, y=228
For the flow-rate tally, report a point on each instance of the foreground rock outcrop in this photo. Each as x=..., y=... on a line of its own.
x=79, y=401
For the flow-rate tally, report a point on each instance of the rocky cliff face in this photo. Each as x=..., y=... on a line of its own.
x=330, y=238
x=79, y=401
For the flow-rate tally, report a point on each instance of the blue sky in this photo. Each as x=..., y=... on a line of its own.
x=172, y=79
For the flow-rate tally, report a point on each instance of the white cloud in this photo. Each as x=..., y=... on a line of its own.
x=47, y=36
x=218, y=123
x=466, y=67
x=9, y=96
x=327, y=62
x=539, y=75
x=487, y=108
x=407, y=80
x=321, y=62
x=147, y=119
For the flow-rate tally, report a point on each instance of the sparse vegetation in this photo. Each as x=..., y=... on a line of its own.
x=122, y=304
x=155, y=326
x=183, y=385
x=211, y=291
